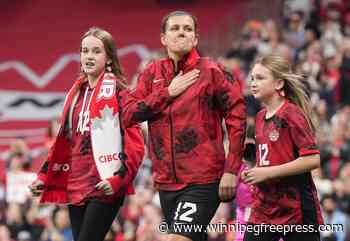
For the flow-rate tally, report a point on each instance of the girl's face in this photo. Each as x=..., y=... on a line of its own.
x=179, y=37
x=93, y=56
x=263, y=85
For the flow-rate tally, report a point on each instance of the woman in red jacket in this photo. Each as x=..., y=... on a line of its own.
x=184, y=98
x=93, y=160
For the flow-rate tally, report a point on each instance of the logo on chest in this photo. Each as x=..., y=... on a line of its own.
x=158, y=80
x=108, y=88
x=274, y=135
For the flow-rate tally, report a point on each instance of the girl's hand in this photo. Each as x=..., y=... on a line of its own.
x=105, y=186
x=36, y=188
x=256, y=175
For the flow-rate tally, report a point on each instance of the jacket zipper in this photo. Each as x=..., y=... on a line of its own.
x=172, y=144
x=172, y=134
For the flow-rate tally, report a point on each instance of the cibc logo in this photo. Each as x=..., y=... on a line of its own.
x=108, y=158
x=59, y=167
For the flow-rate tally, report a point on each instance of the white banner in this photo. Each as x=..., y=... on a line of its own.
x=106, y=143
x=24, y=105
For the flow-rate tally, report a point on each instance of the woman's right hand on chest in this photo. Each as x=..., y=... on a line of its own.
x=182, y=81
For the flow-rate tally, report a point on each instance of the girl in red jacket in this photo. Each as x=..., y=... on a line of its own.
x=94, y=159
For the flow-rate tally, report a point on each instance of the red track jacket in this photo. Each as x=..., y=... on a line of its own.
x=186, y=134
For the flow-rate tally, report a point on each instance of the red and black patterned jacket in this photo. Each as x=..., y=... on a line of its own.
x=185, y=133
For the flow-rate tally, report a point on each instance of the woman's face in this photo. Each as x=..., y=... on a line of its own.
x=263, y=85
x=180, y=36
x=93, y=56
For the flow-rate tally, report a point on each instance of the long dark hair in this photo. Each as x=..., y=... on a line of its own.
x=111, y=51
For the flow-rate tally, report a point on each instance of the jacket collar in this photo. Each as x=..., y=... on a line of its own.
x=188, y=61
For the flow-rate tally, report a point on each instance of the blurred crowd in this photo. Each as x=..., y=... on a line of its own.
x=315, y=37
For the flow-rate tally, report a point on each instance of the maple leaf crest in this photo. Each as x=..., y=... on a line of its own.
x=106, y=118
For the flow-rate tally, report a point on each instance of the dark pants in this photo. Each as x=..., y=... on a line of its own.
x=91, y=221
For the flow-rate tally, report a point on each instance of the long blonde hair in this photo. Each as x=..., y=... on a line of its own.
x=293, y=88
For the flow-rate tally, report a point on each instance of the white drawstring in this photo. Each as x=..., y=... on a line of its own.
x=85, y=95
x=87, y=109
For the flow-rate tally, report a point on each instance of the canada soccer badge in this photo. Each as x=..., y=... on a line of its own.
x=274, y=134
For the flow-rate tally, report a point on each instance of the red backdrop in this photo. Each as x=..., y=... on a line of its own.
x=39, y=44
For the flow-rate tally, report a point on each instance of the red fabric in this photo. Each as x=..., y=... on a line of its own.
x=281, y=139
x=50, y=72
x=57, y=171
x=83, y=173
x=170, y=187
x=185, y=132
x=119, y=237
x=134, y=149
x=335, y=162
